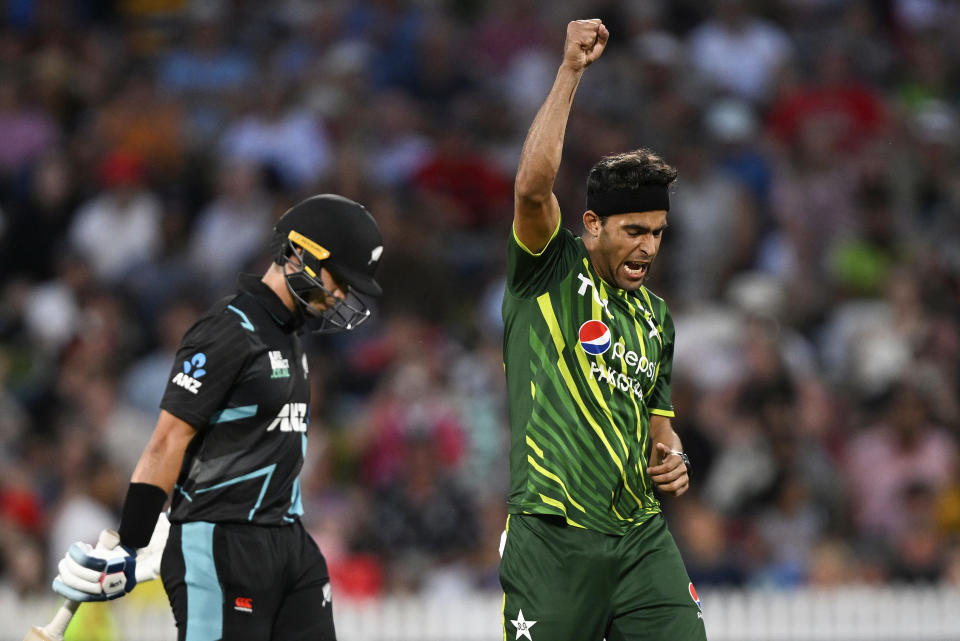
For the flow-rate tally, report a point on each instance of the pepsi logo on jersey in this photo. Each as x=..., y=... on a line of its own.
x=595, y=337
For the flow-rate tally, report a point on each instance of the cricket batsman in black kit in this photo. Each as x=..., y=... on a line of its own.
x=230, y=441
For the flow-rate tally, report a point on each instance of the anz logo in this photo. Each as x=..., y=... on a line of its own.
x=291, y=418
x=189, y=378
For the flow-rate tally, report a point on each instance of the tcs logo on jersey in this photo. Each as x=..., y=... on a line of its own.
x=292, y=417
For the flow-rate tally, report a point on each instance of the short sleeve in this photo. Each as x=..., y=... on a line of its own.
x=210, y=358
x=530, y=274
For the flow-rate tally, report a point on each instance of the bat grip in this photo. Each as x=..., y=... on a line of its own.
x=58, y=625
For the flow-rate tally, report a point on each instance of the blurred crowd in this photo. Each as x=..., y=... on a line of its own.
x=812, y=262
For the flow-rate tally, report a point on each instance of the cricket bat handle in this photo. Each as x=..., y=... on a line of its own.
x=57, y=627
x=54, y=630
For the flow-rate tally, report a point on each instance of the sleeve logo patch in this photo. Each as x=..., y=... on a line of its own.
x=193, y=370
x=280, y=365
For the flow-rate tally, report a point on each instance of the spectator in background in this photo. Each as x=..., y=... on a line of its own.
x=835, y=97
x=403, y=145
x=739, y=53
x=422, y=521
x=812, y=199
x=902, y=449
x=789, y=531
x=142, y=121
x=26, y=130
x=119, y=227
x=93, y=491
x=703, y=537
x=42, y=213
x=919, y=551
x=929, y=173
x=861, y=265
x=463, y=192
x=866, y=343
x=281, y=136
x=412, y=401
x=465, y=189
x=50, y=311
x=925, y=72
x=733, y=127
x=442, y=74
x=715, y=222
x=228, y=231
x=206, y=72
x=391, y=29
x=505, y=32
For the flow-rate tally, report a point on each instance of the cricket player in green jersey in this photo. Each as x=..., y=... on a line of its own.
x=588, y=351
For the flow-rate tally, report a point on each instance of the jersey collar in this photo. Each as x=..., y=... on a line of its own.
x=268, y=299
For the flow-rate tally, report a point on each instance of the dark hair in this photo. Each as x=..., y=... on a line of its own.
x=629, y=170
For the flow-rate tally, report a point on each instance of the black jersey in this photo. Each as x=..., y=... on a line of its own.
x=240, y=379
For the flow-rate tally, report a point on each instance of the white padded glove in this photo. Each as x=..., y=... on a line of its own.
x=109, y=570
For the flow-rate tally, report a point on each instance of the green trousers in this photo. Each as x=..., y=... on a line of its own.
x=563, y=583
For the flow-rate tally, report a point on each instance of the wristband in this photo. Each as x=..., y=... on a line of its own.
x=683, y=457
x=141, y=509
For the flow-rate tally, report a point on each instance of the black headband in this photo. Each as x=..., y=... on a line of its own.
x=625, y=201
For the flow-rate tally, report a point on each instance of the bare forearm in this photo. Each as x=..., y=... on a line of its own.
x=661, y=431
x=161, y=459
x=536, y=211
x=668, y=470
x=156, y=468
x=542, y=150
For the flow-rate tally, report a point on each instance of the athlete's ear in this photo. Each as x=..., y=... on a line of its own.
x=592, y=223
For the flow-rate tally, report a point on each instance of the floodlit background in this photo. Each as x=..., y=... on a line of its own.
x=812, y=265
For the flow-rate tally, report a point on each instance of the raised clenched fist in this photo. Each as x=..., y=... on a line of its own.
x=585, y=42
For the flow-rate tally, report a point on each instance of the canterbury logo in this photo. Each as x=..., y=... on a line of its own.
x=291, y=418
x=243, y=604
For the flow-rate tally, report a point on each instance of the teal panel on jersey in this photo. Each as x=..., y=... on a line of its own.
x=204, y=594
x=234, y=414
x=266, y=472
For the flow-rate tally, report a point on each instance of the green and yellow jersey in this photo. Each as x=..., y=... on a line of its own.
x=586, y=365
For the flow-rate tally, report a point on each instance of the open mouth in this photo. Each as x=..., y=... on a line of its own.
x=636, y=269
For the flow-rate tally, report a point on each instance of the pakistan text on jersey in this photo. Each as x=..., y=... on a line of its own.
x=618, y=379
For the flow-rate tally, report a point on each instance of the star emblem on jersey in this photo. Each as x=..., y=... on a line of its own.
x=523, y=626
